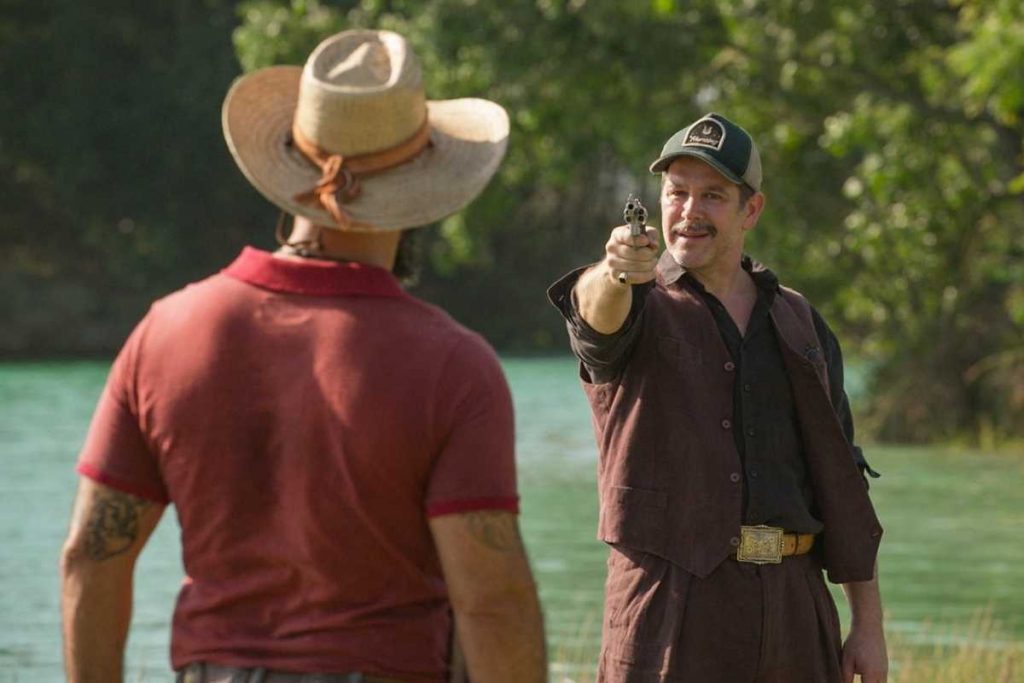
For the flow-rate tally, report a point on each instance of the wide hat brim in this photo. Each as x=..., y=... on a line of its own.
x=468, y=138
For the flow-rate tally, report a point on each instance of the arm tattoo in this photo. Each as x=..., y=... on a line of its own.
x=495, y=530
x=113, y=524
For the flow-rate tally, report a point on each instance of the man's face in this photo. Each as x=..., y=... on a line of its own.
x=702, y=220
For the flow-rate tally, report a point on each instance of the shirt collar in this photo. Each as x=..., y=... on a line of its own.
x=312, y=277
x=671, y=272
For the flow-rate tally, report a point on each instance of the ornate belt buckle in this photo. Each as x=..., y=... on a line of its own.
x=760, y=544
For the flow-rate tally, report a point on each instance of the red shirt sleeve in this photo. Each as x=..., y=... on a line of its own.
x=475, y=469
x=116, y=453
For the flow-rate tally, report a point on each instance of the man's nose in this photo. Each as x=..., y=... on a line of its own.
x=691, y=207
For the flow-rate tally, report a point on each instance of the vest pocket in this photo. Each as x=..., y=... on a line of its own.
x=680, y=354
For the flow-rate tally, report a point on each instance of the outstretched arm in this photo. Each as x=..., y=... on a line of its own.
x=864, y=651
x=493, y=595
x=108, y=530
x=604, y=302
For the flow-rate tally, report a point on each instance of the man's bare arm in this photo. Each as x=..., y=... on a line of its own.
x=493, y=595
x=108, y=530
x=603, y=300
x=864, y=651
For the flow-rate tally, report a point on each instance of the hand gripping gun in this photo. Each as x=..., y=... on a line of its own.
x=635, y=214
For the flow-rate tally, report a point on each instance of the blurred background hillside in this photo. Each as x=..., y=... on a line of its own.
x=891, y=134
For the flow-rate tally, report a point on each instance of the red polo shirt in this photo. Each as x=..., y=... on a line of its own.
x=306, y=418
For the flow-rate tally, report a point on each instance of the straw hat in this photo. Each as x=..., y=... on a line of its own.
x=351, y=142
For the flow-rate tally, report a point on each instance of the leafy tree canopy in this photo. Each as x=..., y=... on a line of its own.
x=891, y=134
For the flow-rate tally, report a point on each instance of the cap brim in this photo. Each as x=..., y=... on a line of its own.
x=468, y=138
x=663, y=162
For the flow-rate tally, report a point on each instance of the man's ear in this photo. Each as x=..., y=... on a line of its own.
x=752, y=210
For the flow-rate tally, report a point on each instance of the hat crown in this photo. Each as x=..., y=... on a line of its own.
x=350, y=141
x=719, y=142
x=361, y=92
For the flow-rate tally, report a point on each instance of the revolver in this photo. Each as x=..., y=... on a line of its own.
x=635, y=214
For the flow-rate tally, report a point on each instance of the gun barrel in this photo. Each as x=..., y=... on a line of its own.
x=635, y=215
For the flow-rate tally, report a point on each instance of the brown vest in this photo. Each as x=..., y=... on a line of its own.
x=669, y=476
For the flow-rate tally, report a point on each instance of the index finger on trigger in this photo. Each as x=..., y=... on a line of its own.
x=641, y=241
x=620, y=234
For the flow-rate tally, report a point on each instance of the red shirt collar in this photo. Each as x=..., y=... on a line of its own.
x=312, y=277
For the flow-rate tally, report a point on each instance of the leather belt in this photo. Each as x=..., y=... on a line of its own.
x=207, y=672
x=768, y=544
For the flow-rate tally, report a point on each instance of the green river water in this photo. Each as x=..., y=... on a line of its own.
x=953, y=552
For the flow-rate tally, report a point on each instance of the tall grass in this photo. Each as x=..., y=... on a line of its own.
x=982, y=654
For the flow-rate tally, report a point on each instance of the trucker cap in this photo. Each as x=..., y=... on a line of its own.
x=719, y=142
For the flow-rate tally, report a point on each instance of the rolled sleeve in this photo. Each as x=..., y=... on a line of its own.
x=602, y=356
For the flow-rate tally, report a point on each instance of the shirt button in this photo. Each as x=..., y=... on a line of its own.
x=734, y=477
x=730, y=366
x=726, y=424
x=734, y=541
x=750, y=431
x=754, y=473
x=746, y=388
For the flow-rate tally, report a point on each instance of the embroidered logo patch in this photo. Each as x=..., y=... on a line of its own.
x=705, y=133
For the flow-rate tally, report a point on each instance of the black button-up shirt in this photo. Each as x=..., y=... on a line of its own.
x=777, y=491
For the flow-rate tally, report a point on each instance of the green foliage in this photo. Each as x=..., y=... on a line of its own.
x=108, y=135
x=272, y=33
x=890, y=133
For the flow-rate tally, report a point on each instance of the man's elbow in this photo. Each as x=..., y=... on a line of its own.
x=74, y=559
x=80, y=562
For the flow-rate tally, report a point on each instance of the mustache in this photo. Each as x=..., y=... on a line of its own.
x=695, y=226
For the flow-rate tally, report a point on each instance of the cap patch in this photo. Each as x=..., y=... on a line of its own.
x=705, y=133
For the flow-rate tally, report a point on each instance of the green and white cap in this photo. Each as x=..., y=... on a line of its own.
x=720, y=142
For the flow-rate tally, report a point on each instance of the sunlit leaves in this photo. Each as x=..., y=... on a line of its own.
x=890, y=134
x=989, y=59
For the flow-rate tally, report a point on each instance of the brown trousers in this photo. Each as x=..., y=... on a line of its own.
x=743, y=623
